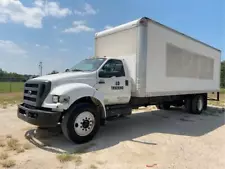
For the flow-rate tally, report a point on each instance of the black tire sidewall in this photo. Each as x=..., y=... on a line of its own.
x=74, y=112
x=195, y=104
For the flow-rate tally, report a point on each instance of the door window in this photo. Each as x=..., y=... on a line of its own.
x=112, y=68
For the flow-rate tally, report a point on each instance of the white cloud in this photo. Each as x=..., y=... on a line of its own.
x=39, y=3
x=45, y=46
x=78, y=26
x=10, y=47
x=54, y=27
x=53, y=9
x=3, y=19
x=15, y=11
x=108, y=27
x=88, y=10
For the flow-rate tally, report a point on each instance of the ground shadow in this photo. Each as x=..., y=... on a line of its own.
x=129, y=128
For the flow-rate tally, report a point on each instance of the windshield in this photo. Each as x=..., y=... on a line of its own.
x=88, y=64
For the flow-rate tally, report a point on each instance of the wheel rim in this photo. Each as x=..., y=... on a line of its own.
x=84, y=123
x=200, y=104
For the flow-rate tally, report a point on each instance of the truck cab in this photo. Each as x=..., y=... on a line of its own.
x=91, y=87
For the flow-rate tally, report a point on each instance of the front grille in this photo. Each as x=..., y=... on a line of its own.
x=33, y=107
x=31, y=85
x=32, y=92
x=29, y=98
x=28, y=106
x=35, y=92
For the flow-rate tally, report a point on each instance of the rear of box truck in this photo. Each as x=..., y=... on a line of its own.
x=161, y=61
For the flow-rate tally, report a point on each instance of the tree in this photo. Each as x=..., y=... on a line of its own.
x=54, y=72
x=12, y=76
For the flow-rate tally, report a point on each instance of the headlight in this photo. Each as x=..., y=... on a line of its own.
x=55, y=99
x=60, y=99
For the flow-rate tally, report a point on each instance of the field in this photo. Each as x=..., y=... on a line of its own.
x=7, y=87
x=222, y=91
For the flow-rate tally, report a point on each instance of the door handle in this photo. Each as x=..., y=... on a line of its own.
x=101, y=82
x=126, y=82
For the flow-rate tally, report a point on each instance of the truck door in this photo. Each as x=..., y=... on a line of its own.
x=113, y=83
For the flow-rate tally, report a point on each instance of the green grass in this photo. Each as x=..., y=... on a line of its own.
x=222, y=90
x=7, y=87
x=214, y=102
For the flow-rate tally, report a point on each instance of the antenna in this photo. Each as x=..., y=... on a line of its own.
x=40, y=68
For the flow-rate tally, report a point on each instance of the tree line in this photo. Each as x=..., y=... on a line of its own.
x=12, y=76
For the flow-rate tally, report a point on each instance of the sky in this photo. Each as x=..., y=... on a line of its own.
x=61, y=33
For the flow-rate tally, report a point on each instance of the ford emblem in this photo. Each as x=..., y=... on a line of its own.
x=29, y=92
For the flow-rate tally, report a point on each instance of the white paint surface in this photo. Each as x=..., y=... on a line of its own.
x=148, y=73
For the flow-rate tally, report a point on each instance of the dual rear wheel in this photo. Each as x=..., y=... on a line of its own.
x=193, y=104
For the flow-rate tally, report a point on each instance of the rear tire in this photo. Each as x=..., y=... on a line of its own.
x=198, y=104
x=81, y=123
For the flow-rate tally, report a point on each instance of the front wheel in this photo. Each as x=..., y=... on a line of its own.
x=81, y=123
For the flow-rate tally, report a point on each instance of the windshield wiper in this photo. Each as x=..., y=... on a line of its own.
x=76, y=70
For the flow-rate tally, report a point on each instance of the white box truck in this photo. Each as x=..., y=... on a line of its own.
x=139, y=63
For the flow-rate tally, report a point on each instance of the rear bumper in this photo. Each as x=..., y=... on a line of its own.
x=38, y=117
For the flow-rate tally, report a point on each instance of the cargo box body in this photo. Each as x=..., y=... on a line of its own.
x=160, y=60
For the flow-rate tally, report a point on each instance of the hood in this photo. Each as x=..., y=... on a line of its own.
x=67, y=76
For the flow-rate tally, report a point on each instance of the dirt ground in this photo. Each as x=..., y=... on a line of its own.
x=147, y=139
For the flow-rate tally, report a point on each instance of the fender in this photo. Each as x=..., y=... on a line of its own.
x=75, y=91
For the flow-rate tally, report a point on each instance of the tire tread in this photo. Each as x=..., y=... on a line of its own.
x=74, y=111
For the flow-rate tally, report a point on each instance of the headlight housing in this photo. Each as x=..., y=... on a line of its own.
x=60, y=99
x=55, y=99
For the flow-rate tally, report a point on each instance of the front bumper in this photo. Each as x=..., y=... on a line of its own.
x=38, y=117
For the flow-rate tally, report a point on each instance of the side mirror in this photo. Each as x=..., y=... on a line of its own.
x=102, y=73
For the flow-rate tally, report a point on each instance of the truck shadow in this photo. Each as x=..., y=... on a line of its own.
x=175, y=122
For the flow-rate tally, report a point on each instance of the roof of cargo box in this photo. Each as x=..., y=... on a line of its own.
x=141, y=20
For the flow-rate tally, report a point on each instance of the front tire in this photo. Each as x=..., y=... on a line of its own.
x=81, y=123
